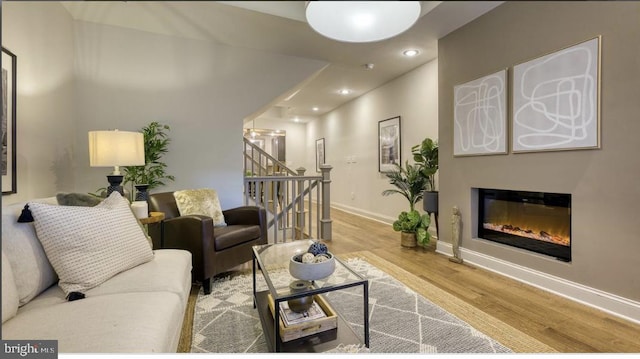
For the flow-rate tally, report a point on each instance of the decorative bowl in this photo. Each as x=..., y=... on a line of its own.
x=311, y=271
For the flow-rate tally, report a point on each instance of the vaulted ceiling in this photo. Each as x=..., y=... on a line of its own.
x=280, y=27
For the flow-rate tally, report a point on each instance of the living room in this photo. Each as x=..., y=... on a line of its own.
x=77, y=76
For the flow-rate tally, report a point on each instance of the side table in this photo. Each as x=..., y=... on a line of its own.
x=155, y=217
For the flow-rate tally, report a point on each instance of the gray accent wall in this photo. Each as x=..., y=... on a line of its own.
x=604, y=183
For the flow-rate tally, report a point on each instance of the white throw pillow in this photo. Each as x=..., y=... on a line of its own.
x=88, y=245
x=200, y=201
x=10, y=298
x=31, y=268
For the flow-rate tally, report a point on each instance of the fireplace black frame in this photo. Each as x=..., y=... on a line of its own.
x=558, y=251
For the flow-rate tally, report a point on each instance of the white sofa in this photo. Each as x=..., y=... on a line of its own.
x=139, y=310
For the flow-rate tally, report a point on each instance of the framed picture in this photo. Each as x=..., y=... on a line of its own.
x=389, y=144
x=480, y=116
x=9, y=73
x=556, y=100
x=319, y=153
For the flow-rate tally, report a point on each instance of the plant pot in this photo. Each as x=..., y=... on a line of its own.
x=408, y=239
x=430, y=201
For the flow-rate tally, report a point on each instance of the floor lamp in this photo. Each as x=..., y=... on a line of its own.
x=115, y=148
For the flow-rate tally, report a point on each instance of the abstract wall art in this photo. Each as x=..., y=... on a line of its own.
x=556, y=100
x=480, y=116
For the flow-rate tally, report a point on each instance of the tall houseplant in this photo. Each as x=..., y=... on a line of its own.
x=410, y=183
x=153, y=173
x=425, y=155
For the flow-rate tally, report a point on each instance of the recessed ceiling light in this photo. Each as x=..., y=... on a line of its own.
x=411, y=53
x=345, y=91
x=315, y=109
x=296, y=120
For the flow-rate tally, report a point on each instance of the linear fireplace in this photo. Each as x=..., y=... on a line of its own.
x=536, y=221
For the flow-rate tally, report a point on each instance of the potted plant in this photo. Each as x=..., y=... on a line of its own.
x=425, y=155
x=153, y=173
x=410, y=183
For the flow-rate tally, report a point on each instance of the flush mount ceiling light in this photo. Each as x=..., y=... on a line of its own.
x=344, y=91
x=361, y=21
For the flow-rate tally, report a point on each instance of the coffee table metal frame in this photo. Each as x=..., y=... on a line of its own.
x=280, y=254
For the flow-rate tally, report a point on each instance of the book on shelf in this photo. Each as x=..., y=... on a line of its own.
x=289, y=317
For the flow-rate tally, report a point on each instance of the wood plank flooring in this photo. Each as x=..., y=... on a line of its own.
x=562, y=324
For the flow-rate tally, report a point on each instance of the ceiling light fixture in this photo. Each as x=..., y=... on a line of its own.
x=361, y=21
x=344, y=91
x=316, y=109
x=410, y=53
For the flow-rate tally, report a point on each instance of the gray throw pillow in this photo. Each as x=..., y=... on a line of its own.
x=77, y=199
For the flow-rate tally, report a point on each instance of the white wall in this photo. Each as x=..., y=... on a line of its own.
x=42, y=38
x=351, y=131
x=126, y=79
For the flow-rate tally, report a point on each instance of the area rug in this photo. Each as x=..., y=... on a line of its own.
x=401, y=320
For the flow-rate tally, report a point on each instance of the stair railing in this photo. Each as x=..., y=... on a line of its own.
x=296, y=204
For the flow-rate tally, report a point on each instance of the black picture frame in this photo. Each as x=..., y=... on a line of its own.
x=8, y=120
x=389, y=144
x=320, y=154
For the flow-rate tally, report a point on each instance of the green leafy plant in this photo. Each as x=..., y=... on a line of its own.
x=413, y=222
x=425, y=156
x=409, y=183
x=156, y=145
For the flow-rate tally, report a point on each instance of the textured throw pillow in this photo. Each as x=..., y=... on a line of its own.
x=88, y=245
x=200, y=201
x=77, y=199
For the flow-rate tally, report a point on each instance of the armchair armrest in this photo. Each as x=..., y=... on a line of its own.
x=195, y=234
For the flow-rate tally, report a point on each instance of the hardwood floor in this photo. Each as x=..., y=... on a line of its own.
x=562, y=324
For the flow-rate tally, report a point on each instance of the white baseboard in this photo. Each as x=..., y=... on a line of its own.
x=366, y=214
x=622, y=307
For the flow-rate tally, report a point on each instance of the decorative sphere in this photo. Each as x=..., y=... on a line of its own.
x=308, y=258
x=318, y=248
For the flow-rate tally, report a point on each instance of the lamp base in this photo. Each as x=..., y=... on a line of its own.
x=114, y=184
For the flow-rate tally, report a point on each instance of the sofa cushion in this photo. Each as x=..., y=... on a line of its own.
x=200, y=201
x=31, y=268
x=144, y=322
x=88, y=245
x=10, y=300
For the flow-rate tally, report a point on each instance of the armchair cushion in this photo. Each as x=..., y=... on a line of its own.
x=203, y=202
x=229, y=236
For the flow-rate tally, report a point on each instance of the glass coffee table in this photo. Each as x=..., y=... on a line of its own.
x=272, y=258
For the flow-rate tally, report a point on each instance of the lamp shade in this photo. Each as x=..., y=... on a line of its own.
x=116, y=148
x=362, y=21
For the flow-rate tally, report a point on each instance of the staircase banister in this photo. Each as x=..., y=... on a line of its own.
x=269, y=157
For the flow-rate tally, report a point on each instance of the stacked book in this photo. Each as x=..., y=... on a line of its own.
x=289, y=317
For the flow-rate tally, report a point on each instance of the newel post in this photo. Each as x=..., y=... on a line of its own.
x=325, y=221
x=299, y=221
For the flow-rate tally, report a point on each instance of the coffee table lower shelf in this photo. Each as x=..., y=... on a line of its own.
x=316, y=343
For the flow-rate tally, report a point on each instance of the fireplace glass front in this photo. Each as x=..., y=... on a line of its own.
x=536, y=221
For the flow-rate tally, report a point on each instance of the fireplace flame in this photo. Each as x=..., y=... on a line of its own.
x=528, y=233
